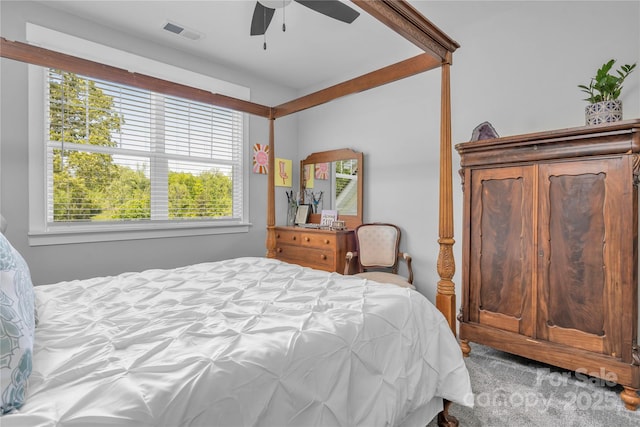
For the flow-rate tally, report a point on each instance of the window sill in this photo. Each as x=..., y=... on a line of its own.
x=62, y=235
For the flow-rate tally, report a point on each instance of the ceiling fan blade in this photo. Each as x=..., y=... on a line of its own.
x=332, y=8
x=261, y=19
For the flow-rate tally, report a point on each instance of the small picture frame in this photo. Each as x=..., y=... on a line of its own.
x=338, y=225
x=328, y=216
x=302, y=214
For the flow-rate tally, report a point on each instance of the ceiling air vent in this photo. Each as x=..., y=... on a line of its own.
x=182, y=31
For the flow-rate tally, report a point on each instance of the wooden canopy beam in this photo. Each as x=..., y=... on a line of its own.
x=396, y=14
x=35, y=55
x=405, y=20
x=391, y=73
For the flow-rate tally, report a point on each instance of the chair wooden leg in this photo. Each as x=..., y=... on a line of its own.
x=444, y=418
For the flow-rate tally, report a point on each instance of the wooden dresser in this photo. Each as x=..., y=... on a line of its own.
x=550, y=249
x=321, y=249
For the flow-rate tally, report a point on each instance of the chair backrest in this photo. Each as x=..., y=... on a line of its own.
x=378, y=245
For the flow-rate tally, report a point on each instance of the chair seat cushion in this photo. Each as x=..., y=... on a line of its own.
x=383, y=277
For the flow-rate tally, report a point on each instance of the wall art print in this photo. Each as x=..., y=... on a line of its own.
x=260, y=158
x=283, y=177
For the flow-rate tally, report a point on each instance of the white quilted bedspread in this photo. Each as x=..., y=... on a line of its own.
x=242, y=342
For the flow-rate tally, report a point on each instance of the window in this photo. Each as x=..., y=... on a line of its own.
x=118, y=153
x=109, y=161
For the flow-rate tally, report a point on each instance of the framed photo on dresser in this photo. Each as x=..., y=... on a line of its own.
x=302, y=214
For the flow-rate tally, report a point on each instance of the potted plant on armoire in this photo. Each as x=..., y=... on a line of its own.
x=604, y=91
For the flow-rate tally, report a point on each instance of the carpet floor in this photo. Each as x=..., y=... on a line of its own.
x=513, y=391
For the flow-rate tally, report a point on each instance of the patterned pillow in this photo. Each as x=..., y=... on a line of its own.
x=17, y=300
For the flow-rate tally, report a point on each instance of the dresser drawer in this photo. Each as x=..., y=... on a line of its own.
x=306, y=239
x=291, y=237
x=308, y=257
x=315, y=240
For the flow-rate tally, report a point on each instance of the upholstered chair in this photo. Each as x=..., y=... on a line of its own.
x=377, y=255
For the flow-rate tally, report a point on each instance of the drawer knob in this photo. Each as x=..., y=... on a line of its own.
x=323, y=257
x=293, y=238
x=306, y=239
x=326, y=241
x=278, y=236
x=279, y=250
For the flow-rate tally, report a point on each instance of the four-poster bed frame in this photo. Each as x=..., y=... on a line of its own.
x=398, y=15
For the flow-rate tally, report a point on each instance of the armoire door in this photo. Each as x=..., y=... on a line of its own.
x=501, y=243
x=583, y=217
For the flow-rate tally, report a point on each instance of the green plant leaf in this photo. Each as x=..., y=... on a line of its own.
x=605, y=86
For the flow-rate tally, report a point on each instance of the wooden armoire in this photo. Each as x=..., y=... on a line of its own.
x=550, y=249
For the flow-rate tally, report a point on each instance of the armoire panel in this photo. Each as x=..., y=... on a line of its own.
x=580, y=217
x=576, y=258
x=500, y=235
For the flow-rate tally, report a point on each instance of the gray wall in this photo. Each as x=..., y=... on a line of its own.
x=50, y=264
x=518, y=68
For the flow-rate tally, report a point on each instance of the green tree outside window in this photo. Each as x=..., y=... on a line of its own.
x=90, y=186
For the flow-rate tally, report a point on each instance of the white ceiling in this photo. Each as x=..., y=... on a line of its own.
x=314, y=51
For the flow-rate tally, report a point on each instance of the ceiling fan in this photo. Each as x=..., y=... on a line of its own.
x=264, y=10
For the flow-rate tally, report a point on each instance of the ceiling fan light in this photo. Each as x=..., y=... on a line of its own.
x=274, y=4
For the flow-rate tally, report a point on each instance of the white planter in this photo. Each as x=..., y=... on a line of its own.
x=603, y=112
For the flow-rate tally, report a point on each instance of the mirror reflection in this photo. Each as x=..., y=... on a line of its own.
x=334, y=184
x=332, y=180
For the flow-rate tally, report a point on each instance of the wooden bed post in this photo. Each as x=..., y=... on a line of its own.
x=446, y=293
x=271, y=192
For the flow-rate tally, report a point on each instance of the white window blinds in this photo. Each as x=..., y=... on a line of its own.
x=118, y=153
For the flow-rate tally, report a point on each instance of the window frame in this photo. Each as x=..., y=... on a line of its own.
x=43, y=233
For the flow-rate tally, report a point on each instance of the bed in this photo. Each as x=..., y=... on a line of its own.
x=240, y=342
x=431, y=324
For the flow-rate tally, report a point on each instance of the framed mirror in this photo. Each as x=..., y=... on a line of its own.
x=332, y=180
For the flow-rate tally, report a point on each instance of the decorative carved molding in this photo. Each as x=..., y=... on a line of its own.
x=635, y=159
x=461, y=173
x=409, y=23
x=635, y=354
x=446, y=267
